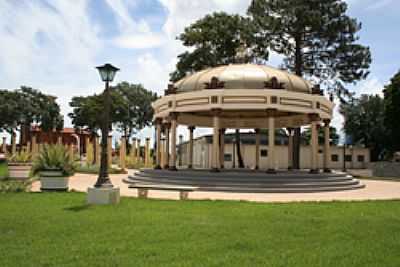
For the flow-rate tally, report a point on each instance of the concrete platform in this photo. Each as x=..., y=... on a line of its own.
x=247, y=181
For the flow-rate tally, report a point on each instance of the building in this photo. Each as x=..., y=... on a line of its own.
x=356, y=157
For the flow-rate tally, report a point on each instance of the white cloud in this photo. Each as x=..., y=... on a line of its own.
x=139, y=41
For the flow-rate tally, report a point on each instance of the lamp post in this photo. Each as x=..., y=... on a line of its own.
x=107, y=73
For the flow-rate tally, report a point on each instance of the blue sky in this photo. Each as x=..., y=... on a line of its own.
x=54, y=45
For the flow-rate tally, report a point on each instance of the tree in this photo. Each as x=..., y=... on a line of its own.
x=9, y=114
x=318, y=41
x=216, y=40
x=130, y=110
x=364, y=123
x=391, y=113
x=333, y=135
x=134, y=111
x=27, y=106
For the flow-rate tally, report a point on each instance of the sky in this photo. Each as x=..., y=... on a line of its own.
x=55, y=45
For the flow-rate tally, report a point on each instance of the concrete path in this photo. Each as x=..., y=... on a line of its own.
x=374, y=190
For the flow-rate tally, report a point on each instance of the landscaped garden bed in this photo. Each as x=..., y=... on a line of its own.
x=64, y=231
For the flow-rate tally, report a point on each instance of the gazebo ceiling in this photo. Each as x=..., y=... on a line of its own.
x=243, y=76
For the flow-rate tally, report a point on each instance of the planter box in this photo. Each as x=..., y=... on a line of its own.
x=53, y=180
x=19, y=171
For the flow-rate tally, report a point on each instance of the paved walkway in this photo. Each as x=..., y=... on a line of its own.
x=374, y=190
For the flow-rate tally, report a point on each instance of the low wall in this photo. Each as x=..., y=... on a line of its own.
x=385, y=169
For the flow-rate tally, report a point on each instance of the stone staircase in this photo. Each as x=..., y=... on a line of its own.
x=247, y=181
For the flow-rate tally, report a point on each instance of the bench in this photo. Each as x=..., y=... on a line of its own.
x=143, y=189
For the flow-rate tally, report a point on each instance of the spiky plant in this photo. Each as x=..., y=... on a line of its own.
x=54, y=157
x=20, y=157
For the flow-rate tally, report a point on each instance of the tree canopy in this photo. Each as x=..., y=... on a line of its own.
x=316, y=37
x=214, y=40
x=130, y=109
x=391, y=112
x=364, y=123
x=26, y=106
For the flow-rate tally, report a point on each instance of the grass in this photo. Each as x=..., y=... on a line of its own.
x=58, y=229
x=94, y=169
x=3, y=170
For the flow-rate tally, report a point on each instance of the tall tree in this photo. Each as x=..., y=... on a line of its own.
x=9, y=111
x=392, y=111
x=134, y=111
x=318, y=40
x=217, y=39
x=130, y=109
x=364, y=123
x=26, y=106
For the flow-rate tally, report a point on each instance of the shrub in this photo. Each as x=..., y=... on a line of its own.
x=20, y=157
x=9, y=186
x=54, y=157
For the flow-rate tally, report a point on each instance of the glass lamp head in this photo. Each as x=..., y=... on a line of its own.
x=107, y=72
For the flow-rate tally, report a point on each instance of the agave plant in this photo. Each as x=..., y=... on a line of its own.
x=54, y=157
x=20, y=157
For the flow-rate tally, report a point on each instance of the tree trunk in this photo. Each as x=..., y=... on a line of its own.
x=239, y=154
x=94, y=148
x=297, y=131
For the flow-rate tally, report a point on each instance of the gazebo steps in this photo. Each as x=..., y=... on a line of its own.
x=249, y=182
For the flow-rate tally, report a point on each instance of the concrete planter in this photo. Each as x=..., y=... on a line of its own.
x=19, y=171
x=53, y=180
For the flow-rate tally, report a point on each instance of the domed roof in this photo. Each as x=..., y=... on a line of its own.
x=243, y=76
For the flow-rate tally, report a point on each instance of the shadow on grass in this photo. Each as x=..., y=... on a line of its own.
x=78, y=208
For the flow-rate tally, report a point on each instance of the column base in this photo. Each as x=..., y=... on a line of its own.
x=103, y=196
x=326, y=170
x=173, y=168
x=314, y=171
x=271, y=171
x=166, y=167
x=157, y=167
x=215, y=170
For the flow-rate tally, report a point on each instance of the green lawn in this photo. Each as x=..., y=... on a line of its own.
x=58, y=229
x=3, y=170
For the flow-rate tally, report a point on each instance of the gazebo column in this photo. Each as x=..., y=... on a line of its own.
x=172, y=165
x=222, y=148
x=167, y=127
x=158, y=144
x=271, y=141
x=314, y=144
x=13, y=143
x=326, y=145
x=257, y=149
x=215, y=145
x=290, y=149
x=191, y=129
x=4, y=145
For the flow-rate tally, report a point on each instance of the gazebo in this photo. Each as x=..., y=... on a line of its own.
x=242, y=96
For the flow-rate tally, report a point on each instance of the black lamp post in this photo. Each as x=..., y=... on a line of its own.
x=107, y=73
